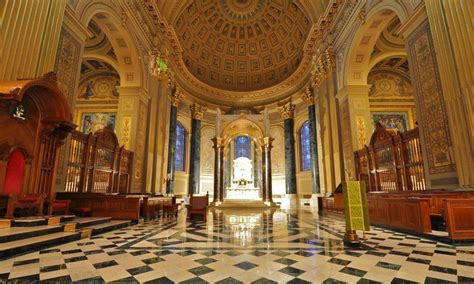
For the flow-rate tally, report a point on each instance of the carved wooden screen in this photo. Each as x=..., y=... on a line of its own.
x=392, y=162
x=97, y=164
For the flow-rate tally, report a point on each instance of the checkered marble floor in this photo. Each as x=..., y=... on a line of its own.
x=240, y=246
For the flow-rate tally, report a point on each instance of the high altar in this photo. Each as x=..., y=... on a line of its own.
x=242, y=172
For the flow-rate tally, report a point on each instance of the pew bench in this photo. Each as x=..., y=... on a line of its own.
x=414, y=211
x=29, y=202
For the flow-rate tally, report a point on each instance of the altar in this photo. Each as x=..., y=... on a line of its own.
x=242, y=172
x=243, y=185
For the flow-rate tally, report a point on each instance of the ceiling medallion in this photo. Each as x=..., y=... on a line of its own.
x=243, y=9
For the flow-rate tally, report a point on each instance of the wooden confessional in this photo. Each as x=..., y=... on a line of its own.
x=35, y=118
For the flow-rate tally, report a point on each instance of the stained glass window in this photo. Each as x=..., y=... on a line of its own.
x=242, y=147
x=180, y=154
x=305, y=146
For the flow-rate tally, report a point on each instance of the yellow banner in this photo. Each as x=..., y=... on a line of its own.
x=355, y=206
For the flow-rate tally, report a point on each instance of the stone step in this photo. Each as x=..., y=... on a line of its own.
x=90, y=221
x=40, y=242
x=38, y=221
x=107, y=227
x=20, y=233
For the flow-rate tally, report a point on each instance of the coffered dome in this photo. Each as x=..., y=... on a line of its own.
x=242, y=45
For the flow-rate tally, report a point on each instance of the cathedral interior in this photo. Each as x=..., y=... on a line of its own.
x=236, y=141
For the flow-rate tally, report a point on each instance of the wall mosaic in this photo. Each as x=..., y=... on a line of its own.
x=99, y=88
x=68, y=57
x=431, y=110
x=392, y=120
x=91, y=122
x=387, y=85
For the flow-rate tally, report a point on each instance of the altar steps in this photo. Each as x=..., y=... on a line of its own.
x=245, y=203
x=22, y=236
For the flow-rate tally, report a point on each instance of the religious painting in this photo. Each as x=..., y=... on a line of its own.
x=91, y=122
x=392, y=120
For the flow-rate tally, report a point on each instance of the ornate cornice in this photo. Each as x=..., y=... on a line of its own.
x=287, y=110
x=197, y=111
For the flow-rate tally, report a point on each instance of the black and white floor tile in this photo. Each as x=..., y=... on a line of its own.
x=239, y=246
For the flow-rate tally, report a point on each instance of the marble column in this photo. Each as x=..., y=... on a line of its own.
x=218, y=171
x=308, y=98
x=195, y=160
x=267, y=170
x=287, y=112
x=175, y=98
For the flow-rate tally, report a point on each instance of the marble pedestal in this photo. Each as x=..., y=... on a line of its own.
x=313, y=202
x=289, y=201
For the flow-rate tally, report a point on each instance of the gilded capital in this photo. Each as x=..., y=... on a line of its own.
x=176, y=97
x=197, y=111
x=308, y=97
x=287, y=110
x=267, y=143
x=217, y=142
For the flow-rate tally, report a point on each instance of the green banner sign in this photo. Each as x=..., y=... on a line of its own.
x=355, y=206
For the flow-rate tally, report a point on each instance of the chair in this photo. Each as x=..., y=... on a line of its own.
x=61, y=206
x=198, y=206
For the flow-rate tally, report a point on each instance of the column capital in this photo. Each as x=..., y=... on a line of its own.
x=287, y=110
x=217, y=142
x=176, y=97
x=267, y=142
x=197, y=111
x=308, y=96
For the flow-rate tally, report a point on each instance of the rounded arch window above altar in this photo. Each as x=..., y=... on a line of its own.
x=242, y=147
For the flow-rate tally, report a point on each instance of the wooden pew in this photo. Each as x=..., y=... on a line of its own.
x=9, y=203
x=412, y=211
x=460, y=218
x=105, y=205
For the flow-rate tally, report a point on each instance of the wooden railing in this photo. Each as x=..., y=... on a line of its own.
x=96, y=163
x=392, y=162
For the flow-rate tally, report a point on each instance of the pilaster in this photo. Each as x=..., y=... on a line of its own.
x=131, y=128
x=354, y=112
x=451, y=25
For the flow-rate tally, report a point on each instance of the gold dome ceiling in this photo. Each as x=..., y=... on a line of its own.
x=242, y=45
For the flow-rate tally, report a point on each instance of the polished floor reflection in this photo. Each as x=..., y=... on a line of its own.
x=242, y=246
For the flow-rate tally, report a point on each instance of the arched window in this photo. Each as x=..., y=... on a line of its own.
x=180, y=155
x=242, y=147
x=305, y=146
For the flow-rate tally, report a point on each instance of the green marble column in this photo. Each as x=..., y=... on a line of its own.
x=308, y=98
x=175, y=98
x=287, y=112
x=195, y=159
